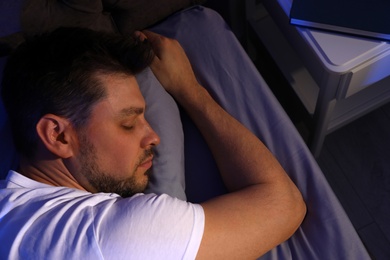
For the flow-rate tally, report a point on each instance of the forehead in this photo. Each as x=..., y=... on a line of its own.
x=116, y=82
x=123, y=96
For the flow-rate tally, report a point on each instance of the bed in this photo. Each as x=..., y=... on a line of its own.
x=222, y=66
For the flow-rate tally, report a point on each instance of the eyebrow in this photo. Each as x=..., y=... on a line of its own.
x=131, y=111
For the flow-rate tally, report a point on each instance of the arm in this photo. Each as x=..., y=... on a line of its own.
x=264, y=207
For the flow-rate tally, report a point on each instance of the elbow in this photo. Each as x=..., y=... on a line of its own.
x=301, y=210
x=298, y=211
x=292, y=210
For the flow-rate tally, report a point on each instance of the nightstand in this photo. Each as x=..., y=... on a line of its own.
x=337, y=77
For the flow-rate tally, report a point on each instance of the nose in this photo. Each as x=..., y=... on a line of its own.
x=151, y=137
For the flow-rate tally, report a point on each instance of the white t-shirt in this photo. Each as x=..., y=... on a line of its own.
x=38, y=221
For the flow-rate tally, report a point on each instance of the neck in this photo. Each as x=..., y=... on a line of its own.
x=51, y=171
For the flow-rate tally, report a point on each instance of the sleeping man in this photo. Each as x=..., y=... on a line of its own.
x=77, y=116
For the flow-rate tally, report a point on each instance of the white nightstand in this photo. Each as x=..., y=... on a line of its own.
x=337, y=77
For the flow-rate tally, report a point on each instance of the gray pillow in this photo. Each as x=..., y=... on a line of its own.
x=163, y=115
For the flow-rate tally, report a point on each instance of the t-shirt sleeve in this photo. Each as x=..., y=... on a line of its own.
x=149, y=227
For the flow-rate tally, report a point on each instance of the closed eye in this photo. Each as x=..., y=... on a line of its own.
x=127, y=128
x=129, y=116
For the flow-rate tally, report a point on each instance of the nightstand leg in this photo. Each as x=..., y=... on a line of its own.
x=323, y=113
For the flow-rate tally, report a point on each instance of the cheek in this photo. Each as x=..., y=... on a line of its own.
x=115, y=150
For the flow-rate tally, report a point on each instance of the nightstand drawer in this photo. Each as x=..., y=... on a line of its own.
x=365, y=75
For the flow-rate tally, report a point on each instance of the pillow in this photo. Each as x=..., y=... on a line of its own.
x=122, y=16
x=9, y=24
x=163, y=115
x=8, y=155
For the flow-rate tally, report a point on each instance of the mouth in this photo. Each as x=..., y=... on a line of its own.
x=147, y=163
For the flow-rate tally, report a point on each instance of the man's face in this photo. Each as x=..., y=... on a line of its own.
x=115, y=149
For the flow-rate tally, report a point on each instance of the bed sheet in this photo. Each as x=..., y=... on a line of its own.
x=222, y=66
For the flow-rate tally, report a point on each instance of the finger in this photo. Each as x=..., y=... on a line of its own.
x=151, y=35
x=155, y=41
x=140, y=35
x=154, y=38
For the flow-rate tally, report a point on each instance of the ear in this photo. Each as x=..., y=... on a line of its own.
x=57, y=134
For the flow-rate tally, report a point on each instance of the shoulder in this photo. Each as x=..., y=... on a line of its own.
x=163, y=225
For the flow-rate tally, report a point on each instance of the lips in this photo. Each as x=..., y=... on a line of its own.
x=147, y=163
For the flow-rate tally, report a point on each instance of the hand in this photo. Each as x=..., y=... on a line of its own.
x=171, y=65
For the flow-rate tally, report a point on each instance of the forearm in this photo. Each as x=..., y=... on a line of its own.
x=241, y=157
